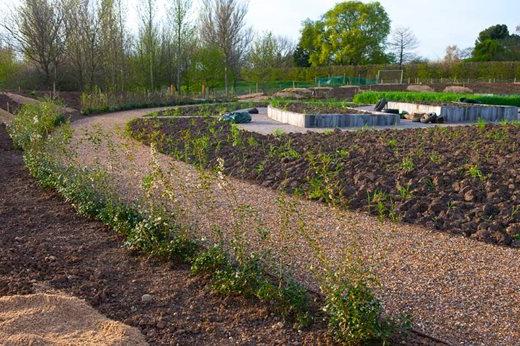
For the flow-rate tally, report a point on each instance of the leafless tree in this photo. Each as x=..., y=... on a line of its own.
x=455, y=54
x=38, y=29
x=452, y=54
x=269, y=51
x=182, y=35
x=402, y=44
x=114, y=43
x=149, y=44
x=82, y=40
x=223, y=23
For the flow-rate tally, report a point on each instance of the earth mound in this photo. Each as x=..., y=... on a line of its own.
x=43, y=319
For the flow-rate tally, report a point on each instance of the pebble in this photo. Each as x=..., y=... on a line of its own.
x=146, y=298
x=278, y=325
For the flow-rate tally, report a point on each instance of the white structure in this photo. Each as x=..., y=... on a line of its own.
x=333, y=120
x=460, y=112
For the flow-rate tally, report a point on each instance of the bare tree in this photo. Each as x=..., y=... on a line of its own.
x=270, y=51
x=82, y=41
x=113, y=43
x=37, y=27
x=149, y=40
x=183, y=32
x=455, y=54
x=223, y=23
x=452, y=54
x=402, y=44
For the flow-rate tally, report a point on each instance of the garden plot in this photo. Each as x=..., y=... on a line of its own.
x=458, y=112
x=462, y=180
x=342, y=119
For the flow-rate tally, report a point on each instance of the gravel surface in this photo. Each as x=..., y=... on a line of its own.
x=456, y=289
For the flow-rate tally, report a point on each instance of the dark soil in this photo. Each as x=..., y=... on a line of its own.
x=45, y=246
x=463, y=180
x=71, y=99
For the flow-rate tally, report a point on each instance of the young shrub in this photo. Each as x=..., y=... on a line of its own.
x=156, y=236
x=210, y=261
x=355, y=314
x=34, y=122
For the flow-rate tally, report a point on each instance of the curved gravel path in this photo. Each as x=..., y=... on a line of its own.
x=456, y=289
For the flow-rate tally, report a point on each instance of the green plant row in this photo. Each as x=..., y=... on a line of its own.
x=153, y=233
x=212, y=109
x=372, y=97
x=98, y=102
x=313, y=106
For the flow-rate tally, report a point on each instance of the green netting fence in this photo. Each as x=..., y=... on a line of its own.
x=270, y=87
x=343, y=80
x=243, y=87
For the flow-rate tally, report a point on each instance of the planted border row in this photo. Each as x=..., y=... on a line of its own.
x=372, y=97
x=212, y=109
x=462, y=180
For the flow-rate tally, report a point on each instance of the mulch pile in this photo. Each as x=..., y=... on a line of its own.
x=462, y=180
x=56, y=319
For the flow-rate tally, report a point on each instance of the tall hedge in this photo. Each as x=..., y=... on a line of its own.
x=462, y=71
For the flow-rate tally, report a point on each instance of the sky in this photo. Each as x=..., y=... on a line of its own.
x=436, y=23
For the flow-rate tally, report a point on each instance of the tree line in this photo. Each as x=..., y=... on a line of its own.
x=87, y=44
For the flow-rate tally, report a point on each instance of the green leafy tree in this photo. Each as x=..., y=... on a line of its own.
x=8, y=64
x=223, y=24
x=206, y=68
x=352, y=33
x=301, y=57
x=497, y=44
